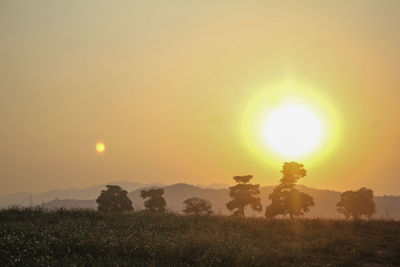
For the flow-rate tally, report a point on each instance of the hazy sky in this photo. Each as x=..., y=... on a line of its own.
x=165, y=85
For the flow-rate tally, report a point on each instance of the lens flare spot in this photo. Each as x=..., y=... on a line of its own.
x=100, y=147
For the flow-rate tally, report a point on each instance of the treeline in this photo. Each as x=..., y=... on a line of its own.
x=115, y=199
x=285, y=199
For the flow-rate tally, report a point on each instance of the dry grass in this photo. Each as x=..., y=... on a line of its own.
x=34, y=237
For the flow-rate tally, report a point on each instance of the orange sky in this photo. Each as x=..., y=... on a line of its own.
x=166, y=85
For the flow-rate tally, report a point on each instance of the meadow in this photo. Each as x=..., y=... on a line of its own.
x=30, y=237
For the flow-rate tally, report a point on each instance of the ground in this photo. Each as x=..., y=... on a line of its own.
x=33, y=237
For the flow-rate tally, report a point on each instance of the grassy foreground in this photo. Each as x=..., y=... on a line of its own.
x=32, y=237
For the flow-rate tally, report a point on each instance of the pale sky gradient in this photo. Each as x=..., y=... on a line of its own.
x=165, y=85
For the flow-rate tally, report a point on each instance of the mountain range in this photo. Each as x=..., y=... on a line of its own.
x=26, y=199
x=325, y=200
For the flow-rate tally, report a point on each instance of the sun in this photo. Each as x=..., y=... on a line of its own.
x=290, y=121
x=292, y=130
x=100, y=147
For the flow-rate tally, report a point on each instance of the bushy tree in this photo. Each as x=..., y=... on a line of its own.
x=197, y=206
x=354, y=204
x=287, y=200
x=244, y=194
x=292, y=171
x=155, y=201
x=114, y=199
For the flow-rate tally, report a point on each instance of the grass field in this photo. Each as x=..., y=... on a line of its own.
x=33, y=237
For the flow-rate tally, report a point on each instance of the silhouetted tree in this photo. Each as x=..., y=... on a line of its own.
x=155, y=201
x=285, y=199
x=354, y=204
x=114, y=199
x=197, y=206
x=244, y=194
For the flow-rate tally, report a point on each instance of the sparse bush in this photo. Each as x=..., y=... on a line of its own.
x=114, y=199
x=197, y=206
x=244, y=194
x=155, y=201
x=285, y=199
x=354, y=204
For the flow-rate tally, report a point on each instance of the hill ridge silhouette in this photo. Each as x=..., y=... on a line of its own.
x=175, y=194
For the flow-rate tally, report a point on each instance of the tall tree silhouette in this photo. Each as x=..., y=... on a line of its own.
x=285, y=199
x=155, y=201
x=354, y=204
x=197, y=206
x=114, y=199
x=243, y=194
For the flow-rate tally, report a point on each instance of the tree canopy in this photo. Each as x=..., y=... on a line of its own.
x=114, y=199
x=197, y=206
x=287, y=200
x=292, y=171
x=244, y=194
x=155, y=201
x=354, y=204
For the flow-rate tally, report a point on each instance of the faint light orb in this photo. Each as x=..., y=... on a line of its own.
x=100, y=147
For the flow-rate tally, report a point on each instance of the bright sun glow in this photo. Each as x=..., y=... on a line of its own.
x=100, y=147
x=290, y=121
x=292, y=130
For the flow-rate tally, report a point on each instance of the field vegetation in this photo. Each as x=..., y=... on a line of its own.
x=30, y=237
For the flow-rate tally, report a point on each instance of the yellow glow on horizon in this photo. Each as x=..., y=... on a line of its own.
x=290, y=121
x=100, y=147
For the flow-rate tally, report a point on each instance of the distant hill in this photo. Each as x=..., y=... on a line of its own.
x=24, y=199
x=214, y=186
x=388, y=206
x=175, y=194
x=325, y=200
x=70, y=204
